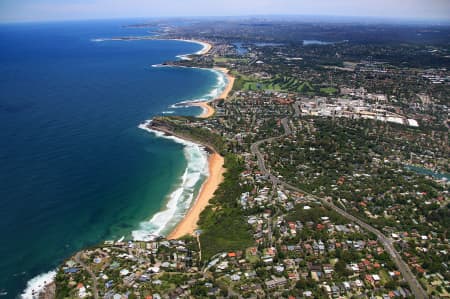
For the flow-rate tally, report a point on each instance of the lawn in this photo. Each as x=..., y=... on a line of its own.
x=277, y=83
x=229, y=60
x=329, y=90
x=305, y=87
x=253, y=259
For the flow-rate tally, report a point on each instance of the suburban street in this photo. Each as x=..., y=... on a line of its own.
x=77, y=259
x=409, y=277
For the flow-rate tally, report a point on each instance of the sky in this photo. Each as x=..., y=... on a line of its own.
x=49, y=10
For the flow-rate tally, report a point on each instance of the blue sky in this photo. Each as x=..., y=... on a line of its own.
x=28, y=10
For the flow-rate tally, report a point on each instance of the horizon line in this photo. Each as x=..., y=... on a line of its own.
x=337, y=18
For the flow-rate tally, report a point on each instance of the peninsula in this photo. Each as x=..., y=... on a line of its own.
x=319, y=198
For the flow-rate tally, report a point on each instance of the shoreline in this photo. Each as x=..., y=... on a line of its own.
x=230, y=83
x=206, y=46
x=171, y=213
x=188, y=224
x=38, y=285
x=207, y=109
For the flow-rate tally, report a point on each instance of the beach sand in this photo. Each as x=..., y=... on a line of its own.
x=230, y=84
x=189, y=223
x=208, y=110
x=206, y=47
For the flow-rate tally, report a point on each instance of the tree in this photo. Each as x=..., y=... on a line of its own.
x=341, y=268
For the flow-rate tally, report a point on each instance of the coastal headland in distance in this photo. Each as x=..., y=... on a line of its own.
x=208, y=110
x=188, y=224
x=39, y=282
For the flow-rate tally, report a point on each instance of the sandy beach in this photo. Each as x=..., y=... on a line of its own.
x=216, y=170
x=208, y=111
x=189, y=223
x=230, y=84
x=206, y=47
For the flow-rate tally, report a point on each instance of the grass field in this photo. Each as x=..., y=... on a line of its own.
x=277, y=83
x=251, y=258
x=305, y=87
x=329, y=90
x=229, y=60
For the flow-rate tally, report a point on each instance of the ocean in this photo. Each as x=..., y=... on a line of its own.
x=76, y=168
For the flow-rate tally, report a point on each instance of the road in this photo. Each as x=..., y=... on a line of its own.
x=286, y=127
x=296, y=106
x=199, y=246
x=254, y=148
x=409, y=277
x=77, y=259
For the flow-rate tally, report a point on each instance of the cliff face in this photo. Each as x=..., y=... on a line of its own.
x=158, y=124
x=169, y=129
x=49, y=292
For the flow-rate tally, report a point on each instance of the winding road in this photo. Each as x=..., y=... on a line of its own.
x=387, y=243
x=77, y=259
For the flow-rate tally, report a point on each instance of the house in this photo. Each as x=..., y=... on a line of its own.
x=373, y=280
x=293, y=276
x=71, y=270
x=328, y=270
x=336, y=291
x=271, y=251
x=275, y=282
x=253, y=251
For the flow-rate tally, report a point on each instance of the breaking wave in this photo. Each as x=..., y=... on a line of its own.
x=37, y=285
x=214, y=93
x=180, y=199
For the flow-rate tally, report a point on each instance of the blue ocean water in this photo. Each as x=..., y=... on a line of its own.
x=75, y=167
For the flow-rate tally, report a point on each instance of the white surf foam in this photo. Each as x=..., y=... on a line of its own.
x=219, y=87
x=203, y=50
x=37, y=285
x=184, y=57
x=214, y=93
x=97, y=40
x=179, y=200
